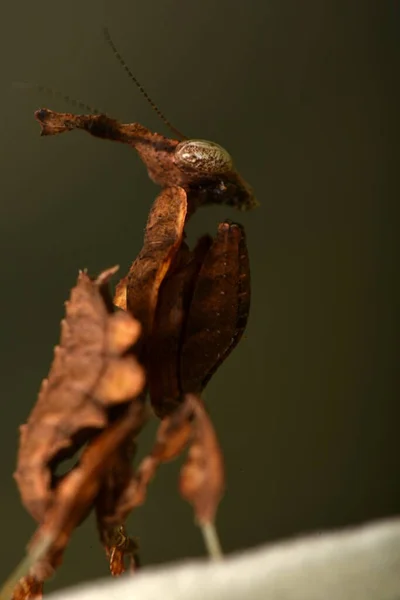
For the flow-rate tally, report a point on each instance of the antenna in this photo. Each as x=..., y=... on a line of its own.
x=55, y=93
x=131, y=76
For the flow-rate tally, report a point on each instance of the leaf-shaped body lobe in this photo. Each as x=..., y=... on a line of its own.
x=67, y=411
x=170, y=320
x=219, y=308
x=202, y=477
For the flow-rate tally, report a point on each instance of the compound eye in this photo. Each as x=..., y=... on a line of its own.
x=41, y=114
x=203, y=157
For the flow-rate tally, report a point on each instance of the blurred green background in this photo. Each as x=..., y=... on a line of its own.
x=303, y=96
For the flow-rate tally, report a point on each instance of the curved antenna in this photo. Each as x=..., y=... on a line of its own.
x=131, y=76
x=56, y=94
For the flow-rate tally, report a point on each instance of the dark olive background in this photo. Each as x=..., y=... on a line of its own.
x=303, y=96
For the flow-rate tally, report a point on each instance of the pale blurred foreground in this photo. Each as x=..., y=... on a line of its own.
x=356, y=564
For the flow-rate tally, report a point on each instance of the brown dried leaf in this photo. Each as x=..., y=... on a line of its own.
x=91, y=373
x=202, y=478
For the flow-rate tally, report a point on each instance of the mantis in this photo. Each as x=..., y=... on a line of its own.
x=174, y=318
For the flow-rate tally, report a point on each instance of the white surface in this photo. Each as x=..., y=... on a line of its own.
x=357, y=564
